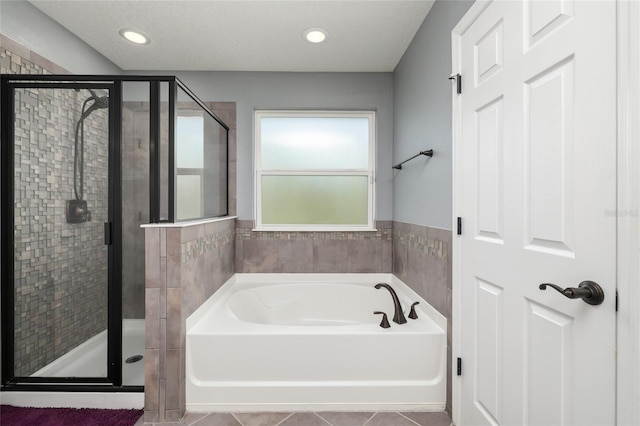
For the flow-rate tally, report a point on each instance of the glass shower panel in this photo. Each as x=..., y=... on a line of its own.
x=135, y=212
x=61, y=203
x=164, y=151
x=201, y=162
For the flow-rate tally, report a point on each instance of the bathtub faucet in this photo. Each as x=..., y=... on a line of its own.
x=398, y=316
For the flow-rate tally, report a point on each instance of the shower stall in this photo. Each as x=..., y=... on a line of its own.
x=85, y=161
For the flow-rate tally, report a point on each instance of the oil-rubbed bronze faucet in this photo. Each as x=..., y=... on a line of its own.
x=398, y=316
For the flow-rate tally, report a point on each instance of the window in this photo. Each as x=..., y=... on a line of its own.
x=314, y=170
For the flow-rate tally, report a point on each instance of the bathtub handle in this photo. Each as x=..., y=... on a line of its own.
x=413, y=314
x=385, y=322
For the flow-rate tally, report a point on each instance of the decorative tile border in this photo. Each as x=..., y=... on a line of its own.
x=196, y=248
x=244, y=231
x=423, y=243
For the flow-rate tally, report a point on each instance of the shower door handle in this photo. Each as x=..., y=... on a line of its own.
x=107, y=234
x=590, y=292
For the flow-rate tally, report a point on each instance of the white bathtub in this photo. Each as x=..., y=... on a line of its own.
x=309, y=342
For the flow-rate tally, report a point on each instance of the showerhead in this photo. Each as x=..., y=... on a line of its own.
x=99, y=102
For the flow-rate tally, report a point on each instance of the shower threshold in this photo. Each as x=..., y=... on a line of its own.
x=89, y=359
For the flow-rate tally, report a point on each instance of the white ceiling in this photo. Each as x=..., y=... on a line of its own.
x=245, y=35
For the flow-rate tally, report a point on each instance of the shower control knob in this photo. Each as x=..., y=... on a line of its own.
x=83, y=213
x=77, y=211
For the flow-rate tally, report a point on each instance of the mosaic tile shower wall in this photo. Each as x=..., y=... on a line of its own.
x=60, y=268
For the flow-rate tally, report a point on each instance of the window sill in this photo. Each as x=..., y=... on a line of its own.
x=188, y=223
x=311, y=229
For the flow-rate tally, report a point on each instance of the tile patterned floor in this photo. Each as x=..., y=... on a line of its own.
x=311, y=419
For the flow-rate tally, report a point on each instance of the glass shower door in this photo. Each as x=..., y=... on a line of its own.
x=61, y=262
x=136, y=118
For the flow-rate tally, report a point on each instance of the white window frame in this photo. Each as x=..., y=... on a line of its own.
x=259, y=172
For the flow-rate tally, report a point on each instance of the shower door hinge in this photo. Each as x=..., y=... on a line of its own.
x=458, y=79
x=459, y=226
x=107, y=234
x=459, y=367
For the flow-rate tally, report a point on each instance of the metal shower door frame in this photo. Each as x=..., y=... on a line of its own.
x=113, y=381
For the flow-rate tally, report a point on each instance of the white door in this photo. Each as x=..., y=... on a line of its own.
x=535, y=186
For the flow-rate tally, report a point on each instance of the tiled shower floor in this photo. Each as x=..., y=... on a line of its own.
x=311, y=419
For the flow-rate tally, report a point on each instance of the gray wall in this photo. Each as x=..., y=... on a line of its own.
x=273, y=90
x=422, y=120
x=27, y=25
x=422, y=190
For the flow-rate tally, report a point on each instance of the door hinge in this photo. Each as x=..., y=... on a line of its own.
x=459, y=230
x=107, y=233
x=617, y=301
x=458, y=79
x=459, y=367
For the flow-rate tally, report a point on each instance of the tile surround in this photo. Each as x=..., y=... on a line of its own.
x=184, y=267
x=426, y=252
x=308, y=252
x=422, y=260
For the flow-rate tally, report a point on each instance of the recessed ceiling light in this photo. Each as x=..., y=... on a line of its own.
x=134, y=36
x=315, y=35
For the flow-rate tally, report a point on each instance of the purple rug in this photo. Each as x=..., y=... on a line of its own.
x=18, y=416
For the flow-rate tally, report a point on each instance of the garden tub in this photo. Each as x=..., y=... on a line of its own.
x=309, y=342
